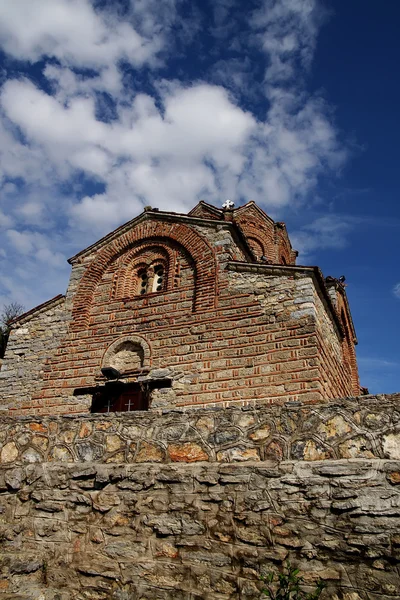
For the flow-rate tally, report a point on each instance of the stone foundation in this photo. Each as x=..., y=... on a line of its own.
x=198, y=504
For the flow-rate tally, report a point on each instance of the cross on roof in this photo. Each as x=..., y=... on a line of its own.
x=228, y=204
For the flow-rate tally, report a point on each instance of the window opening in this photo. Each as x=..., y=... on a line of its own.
x=143, y=281
x=150, y=279
x=158, y=278
x=119, y=397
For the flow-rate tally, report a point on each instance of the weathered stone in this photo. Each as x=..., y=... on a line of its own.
x=335, y=427
x=261, y=434
x=22, y=567
x=49, y=506
x=41, y=442
x=24, y=439
x=105, y=501
x=14, y=478
x=274, y=451
x=38, y=427
x=97, y=565
x=238, y=455
x=205, y=425
x=85, y=430
x=169, y=531
x=149, y=452
x=60, y=454
x=113, y=443
x=67, y=436
x=391, y=445
x=53, y=428
x=118, y=457
x=244, y=420
x=358, y=447
x=9, y=453
x=224, y=436
x=187, y=452
x=166, y=549
x=394, y=477
x=309, y=450
x=88, y=452
x=31, y=455
x=103, y=425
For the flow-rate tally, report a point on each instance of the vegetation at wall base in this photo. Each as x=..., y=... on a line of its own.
x=287, y=586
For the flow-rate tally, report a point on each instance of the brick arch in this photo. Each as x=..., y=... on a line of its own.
x=129, y=264
x=196, y=247
x=134, y=339
x=257, y=246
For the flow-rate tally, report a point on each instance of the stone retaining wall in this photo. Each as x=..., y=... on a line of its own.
x=353, y=428
x=197, y=504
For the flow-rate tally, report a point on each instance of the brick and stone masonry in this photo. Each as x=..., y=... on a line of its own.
x=234, y=456
x=195, y=309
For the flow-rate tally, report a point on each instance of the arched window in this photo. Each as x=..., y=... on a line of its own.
x=143, y=281
x=144, y=270
x=158, y=278
x=151, y=279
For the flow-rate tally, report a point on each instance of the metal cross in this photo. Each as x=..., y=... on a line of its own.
x=228, y=204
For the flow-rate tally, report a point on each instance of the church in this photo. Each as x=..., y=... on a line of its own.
x=184, y=310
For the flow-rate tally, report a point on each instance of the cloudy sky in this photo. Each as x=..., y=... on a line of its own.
x=109, y=106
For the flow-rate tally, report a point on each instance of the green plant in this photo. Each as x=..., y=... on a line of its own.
x=287, y=586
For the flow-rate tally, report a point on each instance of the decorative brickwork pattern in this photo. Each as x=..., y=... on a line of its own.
x=197, y=247
x=226, y=313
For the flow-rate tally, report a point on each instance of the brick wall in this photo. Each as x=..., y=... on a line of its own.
x=222, y=328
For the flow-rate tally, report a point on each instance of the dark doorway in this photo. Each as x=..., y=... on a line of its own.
x=119, y=397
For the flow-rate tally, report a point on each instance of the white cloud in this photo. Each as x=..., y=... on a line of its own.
x=199, y=143
x=5, y=220
x=369, y=362
x=71, y=31
x=287, y=31
x=168, y=143
x=396, y=290
x=329, y=231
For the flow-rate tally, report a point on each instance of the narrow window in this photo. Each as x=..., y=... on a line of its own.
x=158, y=279
x=143, y=281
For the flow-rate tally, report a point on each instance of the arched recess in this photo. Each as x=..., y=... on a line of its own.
x=257, y=246
x=127, y=353
x=198, y=249
x=143, y=254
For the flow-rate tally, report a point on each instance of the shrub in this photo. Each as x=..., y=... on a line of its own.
x=287, y=586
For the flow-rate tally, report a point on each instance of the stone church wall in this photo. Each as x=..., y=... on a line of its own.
x=270, y=338
x=196, y=504
x=223, y=328
x=259, y=343
x=30, y=346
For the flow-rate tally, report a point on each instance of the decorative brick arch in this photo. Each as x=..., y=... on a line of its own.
x=197, y=248
x=257, y=246
x=127, y=339
x=124, y=274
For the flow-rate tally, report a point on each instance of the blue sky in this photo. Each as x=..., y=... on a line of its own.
x=107, y=107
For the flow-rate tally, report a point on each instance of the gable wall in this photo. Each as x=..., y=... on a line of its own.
x=247, y=336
